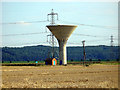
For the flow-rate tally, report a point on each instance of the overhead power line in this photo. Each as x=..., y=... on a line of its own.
x=98, y=26
x=84, y=35
x=24, y=34
x=23, y=22
x=77, y=34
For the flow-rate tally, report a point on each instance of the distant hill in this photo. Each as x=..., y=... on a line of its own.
x=41, y=52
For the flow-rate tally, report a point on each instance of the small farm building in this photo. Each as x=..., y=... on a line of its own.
x=50, y=61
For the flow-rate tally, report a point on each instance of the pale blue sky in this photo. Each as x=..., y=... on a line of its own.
x=103, y=14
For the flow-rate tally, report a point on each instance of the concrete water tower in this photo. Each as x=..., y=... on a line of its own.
x=62, y=33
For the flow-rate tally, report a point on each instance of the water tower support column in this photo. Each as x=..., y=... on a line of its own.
x=62, y=51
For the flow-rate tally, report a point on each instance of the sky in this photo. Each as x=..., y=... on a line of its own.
x=96, y=22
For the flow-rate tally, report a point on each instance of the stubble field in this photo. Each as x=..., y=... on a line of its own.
x=71, y=76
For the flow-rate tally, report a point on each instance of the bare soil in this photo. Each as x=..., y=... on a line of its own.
x=71, y=76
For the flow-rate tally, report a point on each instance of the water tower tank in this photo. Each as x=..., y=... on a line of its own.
x=62, y=33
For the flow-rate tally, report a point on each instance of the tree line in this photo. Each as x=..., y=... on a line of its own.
x=40, y=53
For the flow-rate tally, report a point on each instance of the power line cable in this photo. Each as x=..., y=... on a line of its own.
x=84, y=35
x=49, y=32
x=24, y=34
x=98, y=26
x=22, y=22
x=77, y=34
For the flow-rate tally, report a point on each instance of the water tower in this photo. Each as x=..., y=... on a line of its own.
x=62, y=33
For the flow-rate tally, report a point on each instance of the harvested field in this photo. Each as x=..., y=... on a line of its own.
x=71, y=76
